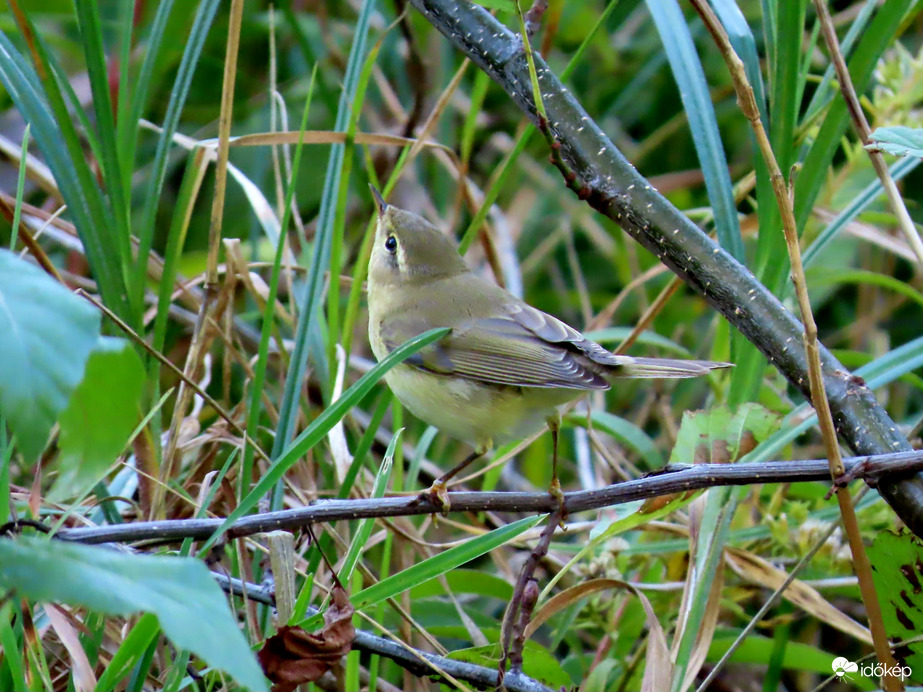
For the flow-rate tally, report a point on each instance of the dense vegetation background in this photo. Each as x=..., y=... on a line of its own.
x=118, y=107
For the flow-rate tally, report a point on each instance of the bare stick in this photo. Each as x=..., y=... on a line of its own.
x=525, y=594
x=890, y=467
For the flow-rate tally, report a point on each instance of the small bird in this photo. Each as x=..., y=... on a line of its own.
x=504, y=370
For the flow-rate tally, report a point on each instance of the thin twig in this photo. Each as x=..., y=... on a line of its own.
x=671, y=480
x=863, y=568
x=522, y=603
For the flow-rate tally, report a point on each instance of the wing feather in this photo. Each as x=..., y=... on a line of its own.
x=525, y=347
x=498, y=350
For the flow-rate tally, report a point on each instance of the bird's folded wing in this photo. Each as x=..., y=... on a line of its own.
x=501, y=350
x=554, y=331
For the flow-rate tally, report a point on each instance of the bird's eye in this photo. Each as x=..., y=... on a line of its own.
x=391, y=243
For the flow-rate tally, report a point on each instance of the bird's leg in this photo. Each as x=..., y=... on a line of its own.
x=554, y=425
x=438, y=494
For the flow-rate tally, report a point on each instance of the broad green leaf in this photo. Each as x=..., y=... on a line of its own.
x=715, y=435
x=46, y=335
x=180, y=591
x=101, y=414
x=898, y=140
x=897, y=570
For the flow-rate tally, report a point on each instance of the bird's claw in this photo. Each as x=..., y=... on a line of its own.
x=438, y=496
x=555, y=491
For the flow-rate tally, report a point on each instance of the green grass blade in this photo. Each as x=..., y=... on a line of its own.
x=56, y=137
x=784, y=88
x=13, y=646
x=744, y=45
x=825, y=91
x=20, y=190
x=440, y=564
x=879, y=35
x=259, y=370
x=365, y=527
x=205, y=15
x=125, y=135
x=856, y=207
x=623, y=430
x=91, y=35
x=309, y=303
x=334, y=333
x=693, y=90
x=130, y=652
x=834, y=277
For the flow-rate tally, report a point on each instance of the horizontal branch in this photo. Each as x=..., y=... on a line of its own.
x=419, y=663
x=673, y=479
x=612, y=186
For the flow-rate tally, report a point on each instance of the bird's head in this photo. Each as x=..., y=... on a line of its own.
x=409, y=249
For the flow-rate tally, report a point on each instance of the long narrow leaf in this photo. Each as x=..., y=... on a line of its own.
x=204, y=17
x=57, y=139
x=309, y=303
x=441, y=563
x=693, y=90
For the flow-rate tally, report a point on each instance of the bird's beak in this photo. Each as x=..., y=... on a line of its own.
x=379, y=200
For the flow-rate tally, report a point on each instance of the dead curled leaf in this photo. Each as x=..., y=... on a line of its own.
x=293, y=656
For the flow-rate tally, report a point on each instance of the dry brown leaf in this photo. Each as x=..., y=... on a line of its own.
x=84, y=677
x=757, y=570
x=293, y=656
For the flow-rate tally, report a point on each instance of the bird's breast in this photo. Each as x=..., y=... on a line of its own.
x=473, y=412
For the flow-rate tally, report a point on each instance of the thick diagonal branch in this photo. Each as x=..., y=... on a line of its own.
x=612, y=186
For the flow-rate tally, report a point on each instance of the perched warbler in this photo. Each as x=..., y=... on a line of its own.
x=505, y=369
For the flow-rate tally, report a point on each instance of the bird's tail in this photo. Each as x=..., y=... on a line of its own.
x=667, y=368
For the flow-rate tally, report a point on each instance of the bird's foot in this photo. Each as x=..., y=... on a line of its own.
x=555, y=491
x=438, y=496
